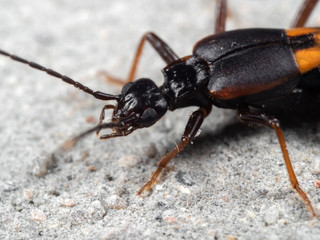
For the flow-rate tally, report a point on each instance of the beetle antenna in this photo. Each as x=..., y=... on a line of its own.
x=96, y=94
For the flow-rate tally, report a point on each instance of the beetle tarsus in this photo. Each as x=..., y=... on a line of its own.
x=192, y=127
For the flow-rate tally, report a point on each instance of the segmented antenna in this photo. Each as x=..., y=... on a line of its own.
x=96, y=94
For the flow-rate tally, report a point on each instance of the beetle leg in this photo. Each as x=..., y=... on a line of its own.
x=262, y=119
x=102, y=114
x=66, y=146
x=304, y=13
x=115, y=134
x=221, y=15
x=190, y=131
x=158, y=44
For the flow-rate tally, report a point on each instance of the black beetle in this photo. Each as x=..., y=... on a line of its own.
x=255, y=71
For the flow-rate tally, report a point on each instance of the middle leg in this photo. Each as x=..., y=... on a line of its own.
x=164, y=51
x=304, y=13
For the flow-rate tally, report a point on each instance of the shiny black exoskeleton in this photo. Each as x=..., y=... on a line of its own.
x=246, y=70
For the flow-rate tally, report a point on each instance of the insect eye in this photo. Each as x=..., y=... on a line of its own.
x=126, y=87
x=149, y=116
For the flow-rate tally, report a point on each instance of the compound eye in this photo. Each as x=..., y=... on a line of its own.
x=126, y=87
x=149, y=116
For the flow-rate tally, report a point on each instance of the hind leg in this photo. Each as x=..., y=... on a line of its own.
x=221, y=16
x=304, y=13
x=252, y=118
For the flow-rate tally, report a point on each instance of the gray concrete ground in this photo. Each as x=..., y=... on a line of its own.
x=230, y=184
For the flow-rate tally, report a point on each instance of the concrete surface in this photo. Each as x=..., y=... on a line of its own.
x=230, y=184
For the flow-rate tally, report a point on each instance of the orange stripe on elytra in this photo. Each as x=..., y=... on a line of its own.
x=301, y=31
x=308, y=58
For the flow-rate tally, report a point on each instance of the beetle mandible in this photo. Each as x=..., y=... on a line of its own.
x=254, y=71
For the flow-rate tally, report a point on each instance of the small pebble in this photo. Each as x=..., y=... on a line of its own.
x=316, y=165
x=129, y=161
x=271, y=216
x=38, y=215
x=282, y=221
x=169, y=216
x=109, y=233
x=91, y=210
x=184, y=190
x=41, y=166
x=170, y=219
x=151, y=150
x=96, y=204
x=92, y=168
x=116, y=202
x=27, y=193
x=68, y=203
x=229, y=237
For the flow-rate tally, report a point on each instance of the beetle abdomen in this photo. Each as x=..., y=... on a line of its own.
x=255, y=74
x=305, y=43
x=253, y=66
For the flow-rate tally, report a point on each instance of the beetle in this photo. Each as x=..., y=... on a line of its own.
x=254, y=71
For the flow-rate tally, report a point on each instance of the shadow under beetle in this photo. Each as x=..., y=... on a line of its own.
x=254, y=71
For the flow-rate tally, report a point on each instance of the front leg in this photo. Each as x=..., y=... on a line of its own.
x=102, y=115
x=261, y=119
x=190, y=131
x=164, y=51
